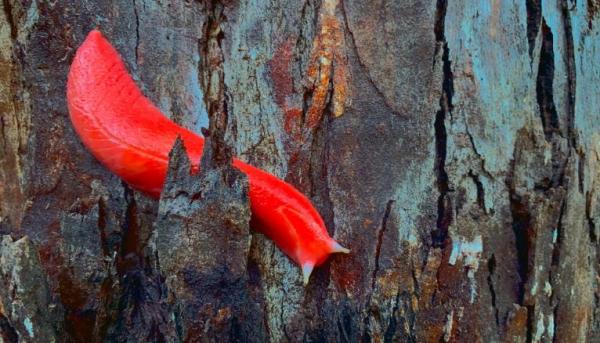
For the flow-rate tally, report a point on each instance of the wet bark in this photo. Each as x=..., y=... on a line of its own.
x=453, y=146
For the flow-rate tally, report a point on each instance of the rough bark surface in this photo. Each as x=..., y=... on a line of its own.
x=453, y=146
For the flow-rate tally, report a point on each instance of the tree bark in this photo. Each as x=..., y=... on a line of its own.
x=453, y=146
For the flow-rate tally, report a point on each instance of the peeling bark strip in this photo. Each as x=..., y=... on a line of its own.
x=213, y=84
x=327, y=65
x=487, y=158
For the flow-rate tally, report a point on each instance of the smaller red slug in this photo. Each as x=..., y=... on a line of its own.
x=132, y=138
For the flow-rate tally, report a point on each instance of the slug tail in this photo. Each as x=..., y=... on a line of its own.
x=338, y=248
x=307, y=269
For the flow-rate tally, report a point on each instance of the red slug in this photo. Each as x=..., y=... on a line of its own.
x=132, y=138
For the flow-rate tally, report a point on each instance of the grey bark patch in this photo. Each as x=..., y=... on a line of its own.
x=376, y=27
x=202, y=239
x=26, y=299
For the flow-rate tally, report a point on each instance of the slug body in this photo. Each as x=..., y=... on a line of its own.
x=132, y=138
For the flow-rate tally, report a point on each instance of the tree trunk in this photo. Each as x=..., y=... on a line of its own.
x=453, y=146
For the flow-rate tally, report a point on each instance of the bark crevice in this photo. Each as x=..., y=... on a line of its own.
x=8, y=12
x=544, y=84
x=480, y=190
x=137, y=32
x=380, y=234
x=7, y=332
x=444, y=214
x=571, y=73
x=521, y=226
x=491, y=271
x=212, y=76
x=534, y=15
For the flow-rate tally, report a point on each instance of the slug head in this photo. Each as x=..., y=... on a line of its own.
x=312, y=244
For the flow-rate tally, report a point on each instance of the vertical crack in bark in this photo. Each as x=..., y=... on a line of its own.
x=212, y=77
x=534, y=15
x=554, y=321
x=130, y=255
x=521, y=225
x=580, y=169
x=544, y=84
x=444, y=217
x=491, y=271
x=590, y=218
x=380, y=234
x=479, y=155
x=8, y=12
x=530, y=319
x=382, y=230
x=440, y=20
x=571, y=74
x=480, y=190
x=139, y=298
x=137, y=32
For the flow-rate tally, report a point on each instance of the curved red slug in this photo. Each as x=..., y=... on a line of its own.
x=132, y=138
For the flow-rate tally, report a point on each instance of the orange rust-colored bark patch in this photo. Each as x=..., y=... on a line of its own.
x=327, y=65
x=434, y=331
x=326, y=74
x=223, y=315
x=388, y=282
x=428, y=283
x=347, y=280
x=292, y=123
x=347, y=276
x=450, y=277
x=516, y=325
